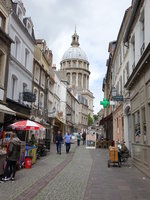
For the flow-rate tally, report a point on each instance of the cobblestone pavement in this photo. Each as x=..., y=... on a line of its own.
x=70, y=183
x=25, y=178
x=80, y=175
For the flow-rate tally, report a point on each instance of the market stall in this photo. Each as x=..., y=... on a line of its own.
x=32, y=133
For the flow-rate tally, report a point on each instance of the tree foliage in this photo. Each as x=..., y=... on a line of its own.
x=90, y=120
x=95, y=117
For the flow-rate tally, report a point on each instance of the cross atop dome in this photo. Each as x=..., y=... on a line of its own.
x=75, y=39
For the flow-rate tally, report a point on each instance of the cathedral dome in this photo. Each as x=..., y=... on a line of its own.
x=75, y=52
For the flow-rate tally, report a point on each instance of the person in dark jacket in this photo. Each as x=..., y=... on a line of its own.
x=59, y=140
x=84, y=137
x=12, y=158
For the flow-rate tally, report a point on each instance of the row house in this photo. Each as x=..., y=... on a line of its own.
x=106, y=121
x=119, y=75
x=5, y=43
x=131, y=84
x=137, y=40
x=43, y=77
x=19, y=89
x=60, y=93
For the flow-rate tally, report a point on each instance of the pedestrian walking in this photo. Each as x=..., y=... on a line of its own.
x=78, y=139
x=12, y=158
x=59, y=140
x=68, y=138
x=84, y=137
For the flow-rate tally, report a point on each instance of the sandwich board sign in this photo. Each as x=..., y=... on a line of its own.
x=91, y=140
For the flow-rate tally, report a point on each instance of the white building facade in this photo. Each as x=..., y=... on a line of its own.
x=22, y=53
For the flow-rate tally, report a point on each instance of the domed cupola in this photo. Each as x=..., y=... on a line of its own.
x=75, y=52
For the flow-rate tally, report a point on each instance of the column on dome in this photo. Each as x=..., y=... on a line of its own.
x=82, y=81
x=70, y=78
x=77, y=79
x=87, y=82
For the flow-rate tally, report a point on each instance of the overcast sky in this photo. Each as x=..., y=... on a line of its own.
x=97, y=23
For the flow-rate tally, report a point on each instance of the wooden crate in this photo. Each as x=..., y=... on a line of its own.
x=113, y=154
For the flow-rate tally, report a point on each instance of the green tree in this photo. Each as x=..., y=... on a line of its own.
x=95, y=117
x=90, y=120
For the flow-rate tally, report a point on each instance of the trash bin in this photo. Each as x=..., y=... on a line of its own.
x=28, y=162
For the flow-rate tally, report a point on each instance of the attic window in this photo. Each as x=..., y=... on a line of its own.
x=19, y=13
x=29, y=27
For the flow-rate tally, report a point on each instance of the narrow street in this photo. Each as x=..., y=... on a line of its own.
x=81, y=174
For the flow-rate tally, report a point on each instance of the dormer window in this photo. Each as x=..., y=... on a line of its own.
x=19, y=13
x=29, y=27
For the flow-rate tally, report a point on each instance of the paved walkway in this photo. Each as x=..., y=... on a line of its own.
x=80, y=175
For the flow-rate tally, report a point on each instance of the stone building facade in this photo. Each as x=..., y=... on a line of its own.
x=75, y=62
x=137, y=39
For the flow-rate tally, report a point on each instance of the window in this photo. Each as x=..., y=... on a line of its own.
x=17, y=47
x=144, y=126
x=68, y=78
x=42, y=79
x=14, y=86
x=24, y=87
x=2, y=67
x=133, y=52
x=2, y=21
x=74, y=78
x=29, y=27
x=26, y=58
x=36, y=94
x=127, y=72
x=19, y=13
x=41, y=106
x=123, y=77
x=36, y=73
x=137, y=132
x=142, y=32
x=120, y=84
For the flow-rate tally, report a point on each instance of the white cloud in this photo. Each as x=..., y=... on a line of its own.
x=97, y=22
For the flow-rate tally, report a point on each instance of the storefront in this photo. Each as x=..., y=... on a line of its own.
x=3, y=136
